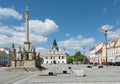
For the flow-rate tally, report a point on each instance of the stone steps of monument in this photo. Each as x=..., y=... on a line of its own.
x=21, y=69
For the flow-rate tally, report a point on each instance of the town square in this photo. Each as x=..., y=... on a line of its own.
x=106, y=75
x=60, y=42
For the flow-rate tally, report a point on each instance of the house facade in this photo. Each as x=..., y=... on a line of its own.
x=55, y=55
x=117, y=50
x=4, y=57
x=111, y=52
x=95, y=53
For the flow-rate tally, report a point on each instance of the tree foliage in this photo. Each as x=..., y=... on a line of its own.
x=70, y=60
x=78, y=57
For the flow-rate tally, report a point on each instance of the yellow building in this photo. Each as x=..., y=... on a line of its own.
x=104, y=53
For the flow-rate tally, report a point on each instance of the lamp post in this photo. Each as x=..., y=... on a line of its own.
x=105, y=32
x=105, y=29
x=84, y=50
x=84, y=54
x=106, y=44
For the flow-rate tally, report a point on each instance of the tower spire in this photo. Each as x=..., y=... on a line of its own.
x=55, y=45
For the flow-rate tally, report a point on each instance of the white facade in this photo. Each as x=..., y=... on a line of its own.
x=55, y=55
x=111, y=51
x=117, y=50
x=94, y=57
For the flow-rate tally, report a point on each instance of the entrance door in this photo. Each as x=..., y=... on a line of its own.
x=54, y=61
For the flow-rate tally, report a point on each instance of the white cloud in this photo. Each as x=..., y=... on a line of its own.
x=116, y=1
x=114, y=34
x=37, y=38
x=67, y=35
x=111, y=34
x=21, y=28
x=5, y=30
x=9, y=12
x=40, y=50
x=106, y=27
x=4, y=40
x=44, y=28
x=76, y=43
x=79, y=37
x=16, y=34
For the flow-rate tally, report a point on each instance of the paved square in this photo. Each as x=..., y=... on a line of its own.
x=106, y=75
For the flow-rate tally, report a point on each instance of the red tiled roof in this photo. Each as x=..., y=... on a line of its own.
x=1, y=52
x=115, y=42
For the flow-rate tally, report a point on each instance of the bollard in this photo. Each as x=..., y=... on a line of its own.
x=100, y=66
x=64, y=72
x=50, y=73
x=69, y=67
x=89, y=66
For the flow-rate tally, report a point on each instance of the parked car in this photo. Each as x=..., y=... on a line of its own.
x=118, y=63
x=103, y=63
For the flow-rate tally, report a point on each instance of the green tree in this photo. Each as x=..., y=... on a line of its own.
x=70, y=60
x=78, y=57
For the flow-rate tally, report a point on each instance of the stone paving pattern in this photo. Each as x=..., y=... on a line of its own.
x=106, y=75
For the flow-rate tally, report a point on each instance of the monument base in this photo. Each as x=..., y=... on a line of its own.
x=20, y=64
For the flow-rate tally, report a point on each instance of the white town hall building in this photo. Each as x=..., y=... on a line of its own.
x=55, y=55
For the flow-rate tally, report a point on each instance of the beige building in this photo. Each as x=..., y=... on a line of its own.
x=98, y=52
x=117, y=50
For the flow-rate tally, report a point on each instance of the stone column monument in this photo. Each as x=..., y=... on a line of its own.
x=25, y=57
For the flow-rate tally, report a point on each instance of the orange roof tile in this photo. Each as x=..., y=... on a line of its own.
x=1, y=52
x=115, y=42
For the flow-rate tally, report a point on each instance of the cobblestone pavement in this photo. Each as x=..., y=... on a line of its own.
x=105, y=75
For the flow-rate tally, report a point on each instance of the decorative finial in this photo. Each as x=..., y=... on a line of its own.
x=27, y=13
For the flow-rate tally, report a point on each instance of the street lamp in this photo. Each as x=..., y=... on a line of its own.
x=84, y=54
x=106, y=44
x=105, y=30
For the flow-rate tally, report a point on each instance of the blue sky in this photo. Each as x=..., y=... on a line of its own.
x=73, y=23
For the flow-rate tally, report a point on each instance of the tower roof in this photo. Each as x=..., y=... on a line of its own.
x=55, y=45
